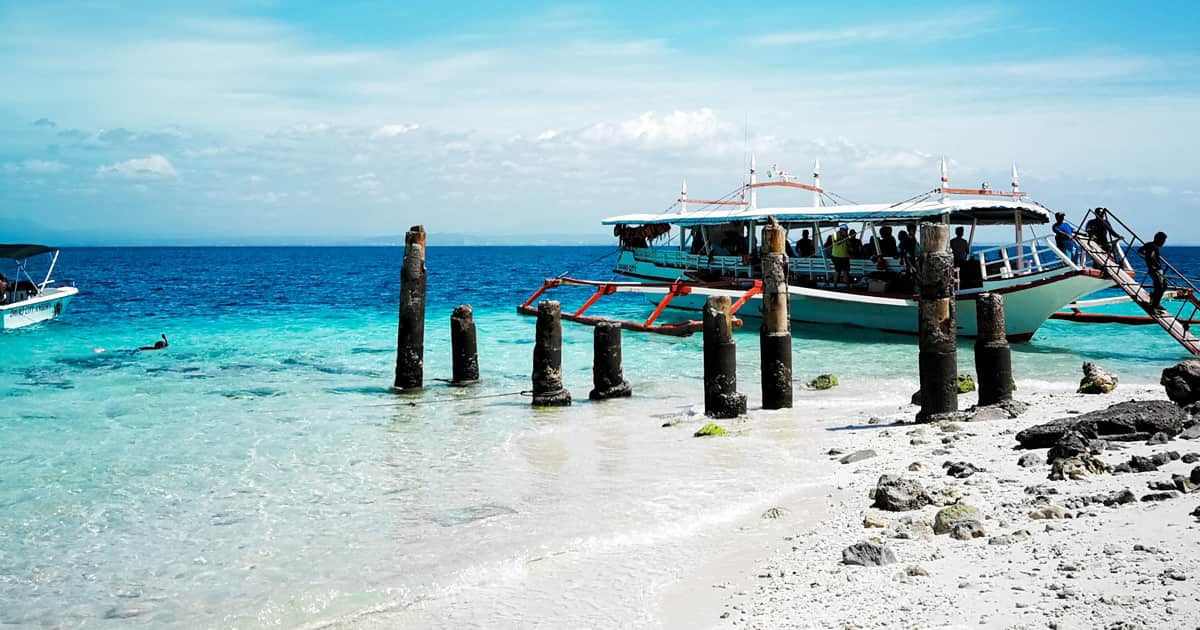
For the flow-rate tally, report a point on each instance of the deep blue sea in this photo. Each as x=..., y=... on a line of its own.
x=259, y=473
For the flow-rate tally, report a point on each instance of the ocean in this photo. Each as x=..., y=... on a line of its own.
x=259, y=473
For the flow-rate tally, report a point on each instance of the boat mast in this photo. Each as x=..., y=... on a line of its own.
x=1016, y=188
x=682, y=211
x=53, y=261
x=945, y=180
x=816, y=183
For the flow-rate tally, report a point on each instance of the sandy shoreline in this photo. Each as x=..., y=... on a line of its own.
x=1081, y=572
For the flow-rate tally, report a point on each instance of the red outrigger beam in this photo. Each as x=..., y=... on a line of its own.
x=742, y=290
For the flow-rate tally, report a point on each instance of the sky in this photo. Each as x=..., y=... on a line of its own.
x=327, y=121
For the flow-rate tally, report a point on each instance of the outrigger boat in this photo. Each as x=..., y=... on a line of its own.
x=24, y=301
x=707, y=247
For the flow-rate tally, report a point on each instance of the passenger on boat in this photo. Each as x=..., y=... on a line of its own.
x=960, y=248
x=1099, y=230
x=887, y=243
x=908, y=250
x=855, y=245
x=1064, y=235
x=1152, y=253
x=840, y=253
x=697, y=246
x=5, y=286
x=805, y=248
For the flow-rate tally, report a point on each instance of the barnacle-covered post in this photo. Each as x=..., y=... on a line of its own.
x=410, y=335
x=721, y=398
x=937, y=323
x=607, y=378
x=775, y=335
x=463, y=352
x=547, y=357
x=993, y=357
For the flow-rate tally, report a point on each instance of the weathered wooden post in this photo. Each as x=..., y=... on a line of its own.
x=464, y=355
x=936, y=323
x=993, y=357
x=607, y=379
x=775, y=335
x=721, y=398
x=547, y=358
x=410, y=336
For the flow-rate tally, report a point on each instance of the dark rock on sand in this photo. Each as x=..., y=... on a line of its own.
x=1142, y=464
x=897, y=494
x=1071, y=444
x=1182, y=382
x=1191, y=458
x=1029, y=460
x=1159, y=496
x=858, y=456
x=1096, y=380
x=1158, y=438
x=1192, y=432
x=1076, y=467
x=967, y=530
x=868, y=554
x=960, y=470
x=1195, y=476
x=1149, y=416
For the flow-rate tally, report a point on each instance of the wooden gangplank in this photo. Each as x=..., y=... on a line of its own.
x=1125, y=280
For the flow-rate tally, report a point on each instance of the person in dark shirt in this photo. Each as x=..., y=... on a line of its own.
x=805, y=247
x=887, y=242
x=960, y=248
x=1101, y=231
x=908, y=249
x=1152, y=253
x=158, y=345
x=855, y=245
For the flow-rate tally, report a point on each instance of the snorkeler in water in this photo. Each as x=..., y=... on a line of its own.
x=158, y=345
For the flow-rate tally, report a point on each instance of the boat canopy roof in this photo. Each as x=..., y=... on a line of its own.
x=959, y=211
x=21, y=251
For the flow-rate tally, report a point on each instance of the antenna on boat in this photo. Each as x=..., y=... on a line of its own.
x=945, y=180
x=683, y=197
x=816, y=183
x=753, y=181
x=1016, y=185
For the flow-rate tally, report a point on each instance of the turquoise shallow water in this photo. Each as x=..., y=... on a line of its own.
x=259, y=473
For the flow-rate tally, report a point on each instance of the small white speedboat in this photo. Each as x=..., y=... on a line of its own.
x=24, y=301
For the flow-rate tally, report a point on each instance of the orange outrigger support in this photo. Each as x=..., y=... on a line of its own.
x=743, y=290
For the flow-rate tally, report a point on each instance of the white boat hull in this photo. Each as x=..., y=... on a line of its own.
x=1029, y=301
x=43, y=307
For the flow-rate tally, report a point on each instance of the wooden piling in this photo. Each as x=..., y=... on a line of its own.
x=410, y=336
x=937, y=323
x=547, y=358
x=993, y=357
x=721, y=398
x=463, y=352
x=607, y=378
x=775, y=335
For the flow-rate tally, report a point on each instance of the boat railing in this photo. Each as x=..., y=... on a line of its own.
x=736, y=266
x=1035, y=255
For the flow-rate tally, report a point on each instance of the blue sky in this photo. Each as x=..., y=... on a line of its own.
x=323, y=120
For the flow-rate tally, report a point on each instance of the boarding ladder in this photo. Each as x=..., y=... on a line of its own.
x=1134, y=282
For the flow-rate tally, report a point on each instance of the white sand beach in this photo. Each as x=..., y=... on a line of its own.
x=1096, y=567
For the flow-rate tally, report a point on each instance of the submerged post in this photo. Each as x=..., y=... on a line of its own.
x=721, y=398
x=936, y=323
x=410, y=336
x=607, y=378
x=547, y=358
x=775, y=335
x=993, y=357
x=464, y=355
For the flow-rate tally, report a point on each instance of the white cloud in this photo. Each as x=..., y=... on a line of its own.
x=675, y=129
x=964, y=22
x=391, y=131
x=151, y=166
x=40, y=167
x=269, y=197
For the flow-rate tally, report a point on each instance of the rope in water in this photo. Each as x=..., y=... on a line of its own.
x=414, y=403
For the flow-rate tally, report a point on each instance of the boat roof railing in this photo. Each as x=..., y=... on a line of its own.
x=958, y=211
x=21, y=251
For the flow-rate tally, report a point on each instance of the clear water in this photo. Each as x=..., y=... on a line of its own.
x=259, y=472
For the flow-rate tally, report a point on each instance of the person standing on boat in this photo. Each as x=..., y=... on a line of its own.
x=840, y=253
x=1100, y=231
x=908, y=250
x=1152, y=252
x=960, y=248
x=887, y=243
x=1064, y=235
x=805, y=248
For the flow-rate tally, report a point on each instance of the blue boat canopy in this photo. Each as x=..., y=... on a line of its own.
x=21, y=251
x=958, y=211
